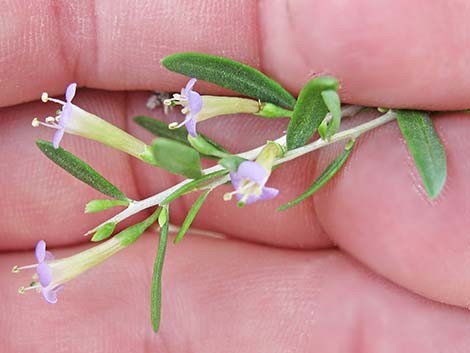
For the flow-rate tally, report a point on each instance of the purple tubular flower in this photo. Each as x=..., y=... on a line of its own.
x=249, y=183
x=192, y=105
x=51, y=274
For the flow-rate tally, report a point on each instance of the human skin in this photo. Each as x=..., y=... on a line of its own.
x=367, y=265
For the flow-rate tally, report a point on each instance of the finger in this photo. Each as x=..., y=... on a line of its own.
x=114, y=44
x=387, y=53
x=273, y=300
x=391, y=224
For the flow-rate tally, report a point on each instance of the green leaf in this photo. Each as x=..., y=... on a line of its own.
x=230, y=74
x=192, y=185
x=207, y=147
x=100, y=205
x=132, y=233
x=156, y=289
x=191, y=215
x=309, y=111
x=104, y=231
x=231, y=162
x=426, y=148
x=177, y=158
x=159, y=128
x=328, y=129
x=329, y=172
x=79, y=169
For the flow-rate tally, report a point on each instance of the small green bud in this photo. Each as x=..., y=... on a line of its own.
x=104, y=231
x=100, y=205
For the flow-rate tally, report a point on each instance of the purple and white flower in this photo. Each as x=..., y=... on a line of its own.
x=249, y=183
x=76, y=121
x=51, y=274
x=198, y=108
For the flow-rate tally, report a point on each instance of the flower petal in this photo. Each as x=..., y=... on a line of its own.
x=40, y=251
x=58, y=137
x=252, y=171
x=268, y=193
x=44, y=273
x=249, y=200
x=195, y=102
x=189, y=86
x=49, y=256
x=236, y=180
x=70, y=92
x=191, y=126
x=51, y=294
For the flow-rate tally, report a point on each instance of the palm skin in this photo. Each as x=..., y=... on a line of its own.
x=368, y=265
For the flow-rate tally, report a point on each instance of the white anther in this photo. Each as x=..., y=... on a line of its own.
x=44, y=97
x=35, y=122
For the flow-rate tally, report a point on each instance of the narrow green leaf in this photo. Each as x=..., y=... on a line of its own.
x=333, y=103
x=426, y=148
x=156, y=289
x=160, y=129
x=132, y=233
x=79, y=169
x=177, y=158
x=207, y=147
x=231, y=162
x=104, y=231
x=329, y=172
x=230, y=74
x=191, y=215
x=95, y=206
x=192, y=185
x=309, y=111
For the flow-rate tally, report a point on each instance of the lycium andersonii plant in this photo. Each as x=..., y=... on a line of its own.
x=74, y=120
x=248, y=172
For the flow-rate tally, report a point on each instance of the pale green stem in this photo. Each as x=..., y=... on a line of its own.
x=352, y=133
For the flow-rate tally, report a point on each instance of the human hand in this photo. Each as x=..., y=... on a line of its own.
x=376, y=255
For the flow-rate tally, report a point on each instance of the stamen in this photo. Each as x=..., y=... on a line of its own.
x=173, y=125
x=50, y=122
x=34, y=285
x=17, y=269
x=44, y=97
x=185, y=110
x=228, y=196
x=58, y=101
